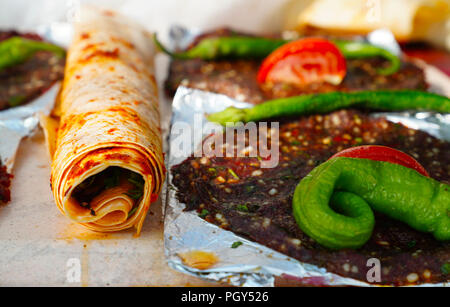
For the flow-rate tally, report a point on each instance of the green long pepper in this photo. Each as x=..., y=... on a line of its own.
x=16, y=50
x=400, y=100
x=248, y=47
x=333, y=204
x=226, y=47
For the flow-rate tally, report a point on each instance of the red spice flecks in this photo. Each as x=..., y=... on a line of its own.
x=76, y=120
x=85, y=35
x=78, y=170
x=102, y=53
x=145, y=168
x=118, y=157
x=123, y=42
x=154, y=198
x=5, y=183
x=108, y=13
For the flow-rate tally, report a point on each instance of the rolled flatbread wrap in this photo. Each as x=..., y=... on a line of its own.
x=108, y=163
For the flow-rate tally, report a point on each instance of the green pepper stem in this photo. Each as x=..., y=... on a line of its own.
x=229, y=116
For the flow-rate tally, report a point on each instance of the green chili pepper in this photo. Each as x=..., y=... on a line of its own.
x=352, y=187
x=249, y=47
x=17, y=50
x=357, y=50
x=326, y=102
x=227, y=47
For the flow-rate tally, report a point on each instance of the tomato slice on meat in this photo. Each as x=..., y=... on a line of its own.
x=304, y=61
x=382, y=153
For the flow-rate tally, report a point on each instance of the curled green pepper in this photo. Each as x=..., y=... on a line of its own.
x=249, y=47
x=17, y=50
x=357, y=50
x=326, y=102
x=355, y=186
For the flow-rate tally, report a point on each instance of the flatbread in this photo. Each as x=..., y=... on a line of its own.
x=109, y=116
x=409, y=20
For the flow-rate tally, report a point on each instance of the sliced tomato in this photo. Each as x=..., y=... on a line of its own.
x=304, y=61
x=383, y=153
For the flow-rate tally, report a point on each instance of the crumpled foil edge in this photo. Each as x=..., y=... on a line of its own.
x=19, y=122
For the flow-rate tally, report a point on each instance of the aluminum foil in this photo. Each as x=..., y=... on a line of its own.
x=251, y=264
x=19, y=122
